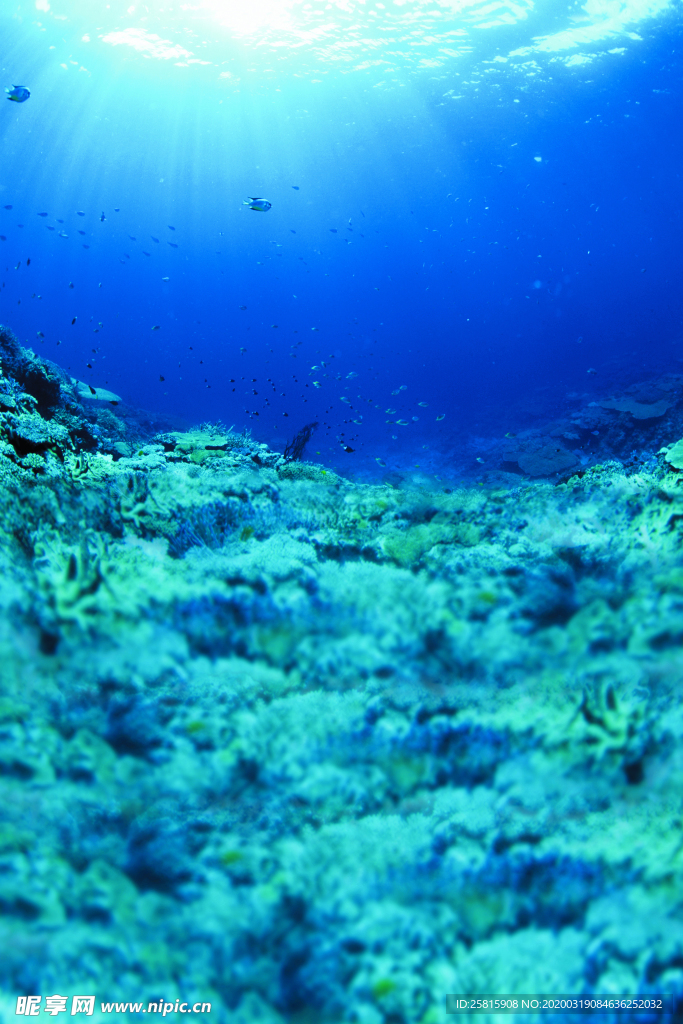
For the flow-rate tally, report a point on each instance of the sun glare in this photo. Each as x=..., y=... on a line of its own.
x=252, y=16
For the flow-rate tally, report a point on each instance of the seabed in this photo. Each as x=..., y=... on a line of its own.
x=317, y=750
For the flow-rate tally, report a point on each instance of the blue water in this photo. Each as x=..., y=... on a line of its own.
x=475, y=206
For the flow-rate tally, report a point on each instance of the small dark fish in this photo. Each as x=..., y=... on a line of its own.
x=86, y=246
x=81, y=232
x=28, y=262
x=347, y=449
x=117, y=209
x=295, y=187
x=161, y=378
x=243, y=307
x=74, y=320
x=93, y=391
x=50, y=228
x=132, y=238
x=8, y=207
x=145, y=253
x=59, y=221
x=3, y=238
x=89, y=365
x=71, y=284
x=156, y=327
x=173, y=244
x=102, y=217
x=333, y=230
x=153, y=238
x=42, y=215
x=293, y=231
x=39, y=334
x=80, y=213
x=171, y=228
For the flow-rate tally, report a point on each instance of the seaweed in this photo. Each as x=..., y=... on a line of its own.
x=294, y=449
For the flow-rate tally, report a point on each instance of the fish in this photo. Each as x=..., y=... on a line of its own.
x=349, y=449
x=380, y=462
x=93, y=391
x=18, y=94
x=8, y=207
x=132, y=238
x=153, y=238
x=42, y=215
x=480, y=460
x=258, y=204
x=81, y=232
x=173, y=244
x=102, y=217
x=510, y=434
x=166, y=279
x=71, y=284
x=146, y=253
x=39, y=334
x=295, y=187
x=28, y=262
x=442, y=416
x=80, y=213
x=333, y=230
x=243, y=307
x=74, y=320
x=591, y=370
x=171, y=228
x=157, y=327
x=3, y=238
x=161, y=378
x=423, y=405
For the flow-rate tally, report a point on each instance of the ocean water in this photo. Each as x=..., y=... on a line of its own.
x=341, y=557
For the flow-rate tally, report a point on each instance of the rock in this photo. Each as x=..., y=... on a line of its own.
x=547, y=460
x=639, y=410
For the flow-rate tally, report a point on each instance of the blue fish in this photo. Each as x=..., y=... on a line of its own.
x=255, y=203
x=18, y=93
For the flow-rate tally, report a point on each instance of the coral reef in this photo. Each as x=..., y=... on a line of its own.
x=314, y=750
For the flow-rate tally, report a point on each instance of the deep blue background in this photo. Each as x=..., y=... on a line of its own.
x=483, y=280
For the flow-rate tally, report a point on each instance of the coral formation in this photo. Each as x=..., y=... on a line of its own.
x=289, y=744
x=639, y=410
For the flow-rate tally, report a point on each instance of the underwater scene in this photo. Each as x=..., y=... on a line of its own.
x=341, y=511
